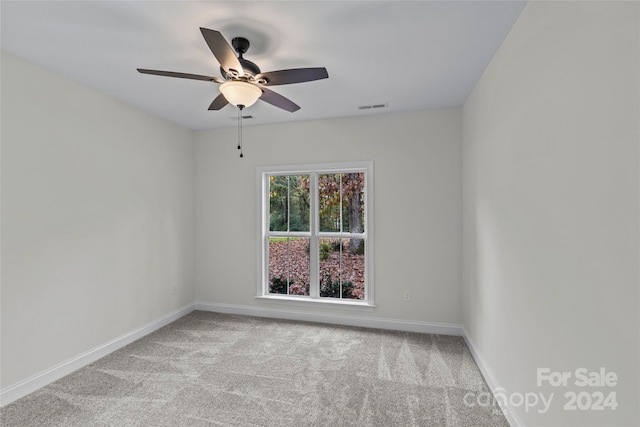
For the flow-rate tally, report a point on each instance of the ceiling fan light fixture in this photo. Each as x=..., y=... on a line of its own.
x=242, y=93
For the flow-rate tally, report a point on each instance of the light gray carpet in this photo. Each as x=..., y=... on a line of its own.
x=209, y=369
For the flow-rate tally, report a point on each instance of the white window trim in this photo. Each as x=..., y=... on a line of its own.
x=262, y=190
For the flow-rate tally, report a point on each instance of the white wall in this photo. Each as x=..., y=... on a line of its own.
x=97, y=219
x=417, y=163
x=551, y=198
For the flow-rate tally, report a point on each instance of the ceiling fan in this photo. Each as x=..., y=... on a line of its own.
x=243, y=83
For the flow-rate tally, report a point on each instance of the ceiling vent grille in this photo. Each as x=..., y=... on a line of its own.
x=373, y=106
x=244, y=117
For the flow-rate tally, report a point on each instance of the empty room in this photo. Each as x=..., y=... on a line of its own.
x=307, y=213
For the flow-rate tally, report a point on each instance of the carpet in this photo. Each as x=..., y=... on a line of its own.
x=211, y=369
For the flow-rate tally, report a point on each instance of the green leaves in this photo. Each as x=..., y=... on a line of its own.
x=333, y=289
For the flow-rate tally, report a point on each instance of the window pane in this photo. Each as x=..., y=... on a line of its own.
x=352, y=264
x=341, y=272
x=353, y=202
x=329, y=254
x=289, y=266
x=329, y=194
x=299, y=203
x=278, y=203
x=289, y=203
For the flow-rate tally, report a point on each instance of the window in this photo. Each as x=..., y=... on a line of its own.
x=316, y=238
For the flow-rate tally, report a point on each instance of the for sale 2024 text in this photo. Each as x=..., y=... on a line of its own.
x=594, y=395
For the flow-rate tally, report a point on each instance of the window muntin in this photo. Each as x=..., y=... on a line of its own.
x=315, y=241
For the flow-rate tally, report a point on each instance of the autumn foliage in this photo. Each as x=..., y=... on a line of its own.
x=289, y=259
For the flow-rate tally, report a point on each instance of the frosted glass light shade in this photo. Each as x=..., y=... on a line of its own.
x=240, y=93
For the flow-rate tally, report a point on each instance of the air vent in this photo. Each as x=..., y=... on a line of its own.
x=373, y=106
x=244, y=117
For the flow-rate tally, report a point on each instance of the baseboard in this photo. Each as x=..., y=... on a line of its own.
x=492, y=382
x=339, y=319
x=31, y=384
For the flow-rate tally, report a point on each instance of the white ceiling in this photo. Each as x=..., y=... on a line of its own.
x=412, y=55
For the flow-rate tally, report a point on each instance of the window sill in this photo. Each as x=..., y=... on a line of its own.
x=316, y=302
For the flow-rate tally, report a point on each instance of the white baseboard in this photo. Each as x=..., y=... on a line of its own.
x=339, y=319
x=33, y=383
x=492, y=382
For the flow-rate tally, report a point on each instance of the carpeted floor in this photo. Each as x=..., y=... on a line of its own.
x=209, y=369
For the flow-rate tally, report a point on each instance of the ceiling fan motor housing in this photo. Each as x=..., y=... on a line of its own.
x=250, y=69
x=241, y=45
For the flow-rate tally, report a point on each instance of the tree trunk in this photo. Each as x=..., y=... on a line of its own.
x=356, y=246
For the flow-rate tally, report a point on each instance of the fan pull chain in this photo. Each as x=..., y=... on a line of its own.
x=240, y=107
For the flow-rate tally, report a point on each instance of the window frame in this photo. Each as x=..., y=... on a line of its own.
x=314, y=234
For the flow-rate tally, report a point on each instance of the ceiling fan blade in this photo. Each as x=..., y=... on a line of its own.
x=181, y=75
x=294, y=75
x=222, y=51
x=278, y=100
x=218, y=103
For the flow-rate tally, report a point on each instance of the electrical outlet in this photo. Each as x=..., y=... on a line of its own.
x=174, y=289
x=406, y=296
